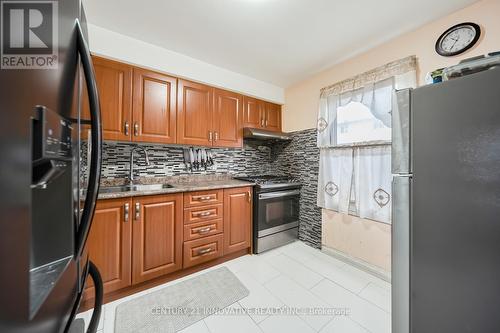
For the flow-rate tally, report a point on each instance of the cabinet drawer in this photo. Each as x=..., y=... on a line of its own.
x=202, y=229
x=202, y=198
x=205, y=213
x=202, y=250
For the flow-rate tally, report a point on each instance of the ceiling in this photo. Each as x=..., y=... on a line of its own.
x=276, y=41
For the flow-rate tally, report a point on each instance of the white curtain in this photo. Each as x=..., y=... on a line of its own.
x=336, y=166
x=372, y=182
x=364, y=172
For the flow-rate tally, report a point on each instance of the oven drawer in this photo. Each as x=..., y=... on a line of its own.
x=203, y=229
x=202, y=250
x=205, y=213
x=202, y=198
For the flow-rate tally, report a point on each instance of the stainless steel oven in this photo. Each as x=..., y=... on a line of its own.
x=276, y=220
x=276, y=211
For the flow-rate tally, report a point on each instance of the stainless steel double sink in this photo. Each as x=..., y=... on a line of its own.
x=133, y=187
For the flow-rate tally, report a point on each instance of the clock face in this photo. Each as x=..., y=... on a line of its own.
x=458, y=39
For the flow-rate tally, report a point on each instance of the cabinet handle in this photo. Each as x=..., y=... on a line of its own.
x=210, y=136
x=249, y=196
x=204, y=251
x=204, y=230
x=137, y=211
x=216, y=136
x=202, y=198
x=127, y=128
x=126, y=209
x=266, y=123
x=262, y=122
x=203, y=214
x=136, y=129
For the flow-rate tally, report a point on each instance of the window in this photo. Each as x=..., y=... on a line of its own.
x=357, y=125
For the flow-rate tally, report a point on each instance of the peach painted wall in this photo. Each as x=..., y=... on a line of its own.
x=368, y=240
x=359, y=238
x=301, y=99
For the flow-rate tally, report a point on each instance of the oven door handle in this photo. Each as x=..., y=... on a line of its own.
x=280, y=194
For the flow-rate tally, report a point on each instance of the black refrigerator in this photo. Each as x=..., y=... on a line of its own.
x=45, y=75
x=446, y=206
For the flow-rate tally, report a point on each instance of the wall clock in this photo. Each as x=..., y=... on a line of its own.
x=458, y=39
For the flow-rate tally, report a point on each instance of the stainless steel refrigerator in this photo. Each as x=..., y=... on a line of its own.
x=446, y=206
x=45, y=219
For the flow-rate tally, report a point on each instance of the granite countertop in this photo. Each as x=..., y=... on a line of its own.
x=179, y=184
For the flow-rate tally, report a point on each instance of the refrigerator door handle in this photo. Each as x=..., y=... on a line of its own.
x=91, y=271
x=96, y=141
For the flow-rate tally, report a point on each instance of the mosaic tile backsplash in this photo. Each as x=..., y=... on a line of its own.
x=169, y=160
x=298, y=158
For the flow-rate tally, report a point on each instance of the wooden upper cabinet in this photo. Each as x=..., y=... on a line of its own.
x=260, y=114
x=227, y=119
x=237, y=219
x=146, y=106
x=194, y=113
x=253, y=112
x=272, y=121
x=109, y=244
x=114, y=85
x=154, y=107
x=157, y=236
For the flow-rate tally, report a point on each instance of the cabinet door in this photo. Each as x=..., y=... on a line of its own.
x=114, y=84
x=237, y=219
x=157, y=236
x=154, y=107
x=109, y=244
x=253, y=112
x=272, y=120
x=195, y=113
x=228, y=124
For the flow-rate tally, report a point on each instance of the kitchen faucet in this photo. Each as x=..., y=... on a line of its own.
x=131, y=169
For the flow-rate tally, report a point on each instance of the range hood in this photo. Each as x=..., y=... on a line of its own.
x=260, y=134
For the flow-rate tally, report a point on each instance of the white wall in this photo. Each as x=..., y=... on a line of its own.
x=116, y=46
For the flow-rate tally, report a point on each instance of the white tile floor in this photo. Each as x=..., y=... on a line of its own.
x=295, y=275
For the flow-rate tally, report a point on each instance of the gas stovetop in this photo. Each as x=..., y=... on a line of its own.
x=272, y=181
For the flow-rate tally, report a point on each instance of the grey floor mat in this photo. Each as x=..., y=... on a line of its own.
x=180, y=305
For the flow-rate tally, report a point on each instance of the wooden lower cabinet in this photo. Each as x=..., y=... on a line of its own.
x=109, y=244
x=135, y=240
x=157, y=236
x=237, y=219
x=199, y=214
x=203, y=198
x=202, y=229
x=203, y=250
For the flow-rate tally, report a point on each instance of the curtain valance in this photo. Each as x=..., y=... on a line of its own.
x=381, y=73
